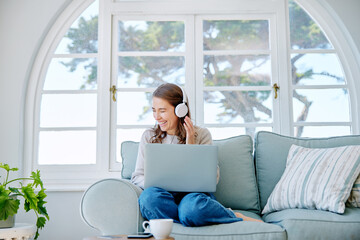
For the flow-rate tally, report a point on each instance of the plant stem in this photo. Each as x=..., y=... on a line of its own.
x=7, y=176
x=17, y=179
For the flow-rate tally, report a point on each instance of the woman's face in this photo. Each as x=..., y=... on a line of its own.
x=164, y=114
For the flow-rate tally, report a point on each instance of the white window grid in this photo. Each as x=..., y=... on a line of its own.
x=79, y=177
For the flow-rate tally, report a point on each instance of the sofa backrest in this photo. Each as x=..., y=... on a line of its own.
x=237, y=187
x=271, y=152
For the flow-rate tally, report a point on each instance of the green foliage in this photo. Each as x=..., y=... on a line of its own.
x=9, y=205
x=304, y=32
x=84, y=39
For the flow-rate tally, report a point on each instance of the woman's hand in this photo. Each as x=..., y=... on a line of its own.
x=190, y=131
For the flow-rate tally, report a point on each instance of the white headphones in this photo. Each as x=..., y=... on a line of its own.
x=181, y=109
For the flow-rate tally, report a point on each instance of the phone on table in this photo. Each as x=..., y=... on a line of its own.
x=140, y=235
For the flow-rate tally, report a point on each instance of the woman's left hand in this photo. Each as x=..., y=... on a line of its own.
x=190, y=131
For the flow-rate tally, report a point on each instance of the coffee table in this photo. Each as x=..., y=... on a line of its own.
x=121, y=237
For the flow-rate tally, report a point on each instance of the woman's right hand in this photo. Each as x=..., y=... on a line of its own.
x=190, y=130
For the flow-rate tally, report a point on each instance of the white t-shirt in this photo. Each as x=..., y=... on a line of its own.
x=203, y=137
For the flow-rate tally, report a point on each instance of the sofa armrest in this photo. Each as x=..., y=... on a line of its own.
x=111, y=206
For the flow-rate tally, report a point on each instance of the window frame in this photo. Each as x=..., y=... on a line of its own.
x=272, y=52
x=189, y=82
x=76, y=178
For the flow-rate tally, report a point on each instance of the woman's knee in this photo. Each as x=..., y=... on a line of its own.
x=149, y=197
x=192, y=209
x=157, y=203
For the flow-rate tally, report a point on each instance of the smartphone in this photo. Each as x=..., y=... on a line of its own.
x=140, y=235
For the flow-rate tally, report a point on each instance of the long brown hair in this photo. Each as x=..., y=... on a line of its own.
x=173, y=95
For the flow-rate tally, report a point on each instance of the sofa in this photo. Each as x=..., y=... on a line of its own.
x=249, y=172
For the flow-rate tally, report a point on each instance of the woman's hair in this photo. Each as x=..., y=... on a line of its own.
x=173, y=95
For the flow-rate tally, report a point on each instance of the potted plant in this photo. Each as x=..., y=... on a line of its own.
x=11, y=190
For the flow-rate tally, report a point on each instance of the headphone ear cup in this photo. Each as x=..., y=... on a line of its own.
x=181, y=110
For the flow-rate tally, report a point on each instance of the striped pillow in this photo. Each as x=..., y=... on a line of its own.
x=354, y=199
x=316, y=178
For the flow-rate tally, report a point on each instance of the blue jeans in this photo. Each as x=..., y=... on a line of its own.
x=189, y=209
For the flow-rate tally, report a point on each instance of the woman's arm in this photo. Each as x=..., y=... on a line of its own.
x=203, y=136
x=137, y=176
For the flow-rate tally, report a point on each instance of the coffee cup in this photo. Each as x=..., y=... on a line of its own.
x=160, y=228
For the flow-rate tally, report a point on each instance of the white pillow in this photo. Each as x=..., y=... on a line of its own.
x=316, y=178
x=354, y=199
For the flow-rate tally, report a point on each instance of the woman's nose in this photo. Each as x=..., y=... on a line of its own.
x=156, y=116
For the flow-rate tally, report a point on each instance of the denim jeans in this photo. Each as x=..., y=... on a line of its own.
x=189, y=209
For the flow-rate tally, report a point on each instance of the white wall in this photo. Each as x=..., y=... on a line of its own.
x=23, y=25
x=348, y=12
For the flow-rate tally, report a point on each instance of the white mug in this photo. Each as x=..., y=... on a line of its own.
x=160, y=228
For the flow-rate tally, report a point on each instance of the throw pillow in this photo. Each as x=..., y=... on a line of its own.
x=316, y=178
x=354, y=199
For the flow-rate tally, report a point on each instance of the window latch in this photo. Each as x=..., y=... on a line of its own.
x=276, y=88
x=113, y=90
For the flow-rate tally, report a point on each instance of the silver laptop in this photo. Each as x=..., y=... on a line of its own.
x=181, y=167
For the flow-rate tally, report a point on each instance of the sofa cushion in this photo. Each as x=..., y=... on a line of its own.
x=231, y=231
x=129, y=152
x=237, y=187
x=317, y=224
x=354, y=199
x=271, y=152
x=316, y=178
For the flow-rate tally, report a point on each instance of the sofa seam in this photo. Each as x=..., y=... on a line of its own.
x=304, y=138
x=123, y=181
x=313, y=220
x=217, y=235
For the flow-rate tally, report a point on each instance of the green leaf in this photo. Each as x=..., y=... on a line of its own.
x=14, y=190
x=7, y=168
x=40, y=223
x=8, y=206
x=41, y=208
x=36, y=178
x=30, y=197
x=26, y=206
x=3, y=191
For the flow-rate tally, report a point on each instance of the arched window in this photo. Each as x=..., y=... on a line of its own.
x=245, y=68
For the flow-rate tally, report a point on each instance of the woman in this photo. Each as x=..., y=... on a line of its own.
x=189, y=209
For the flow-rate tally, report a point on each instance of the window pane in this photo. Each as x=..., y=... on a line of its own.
x=67, y=147
x=226, y=132
x=82, y=37
x=321, y=105
x=134, y=108
x=237, y=106
x=304, y=32
x=237, y=70
x=150, y=71
x=236, y=34
x=322, y=131
x=71, y=74
x=68, y=110
x=151, y=36
x=316, y=69
x=127, y=135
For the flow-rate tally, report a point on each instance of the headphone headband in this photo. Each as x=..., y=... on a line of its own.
x=184, y=95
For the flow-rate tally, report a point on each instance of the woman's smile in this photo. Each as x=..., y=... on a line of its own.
x=164, y=114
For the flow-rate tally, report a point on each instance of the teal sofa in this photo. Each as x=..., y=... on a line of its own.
x=248, y=174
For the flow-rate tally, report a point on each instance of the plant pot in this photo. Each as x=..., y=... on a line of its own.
x=8, y=223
